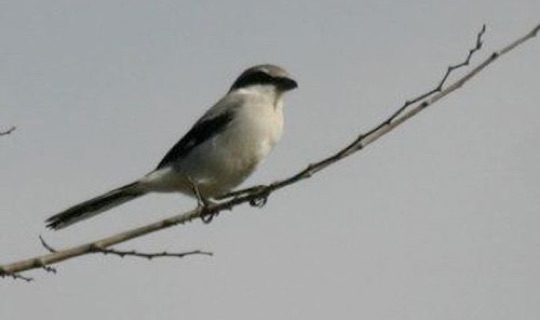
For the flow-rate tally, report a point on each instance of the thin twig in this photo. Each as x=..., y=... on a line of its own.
x=150, y=256
x=439, y=87
x=8, y=131
x=262, y=192
x=15, y=276
x=46, y=245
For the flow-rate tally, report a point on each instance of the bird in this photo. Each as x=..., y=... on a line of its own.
x=218, y=153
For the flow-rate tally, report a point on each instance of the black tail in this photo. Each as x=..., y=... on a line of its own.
x=94, y=206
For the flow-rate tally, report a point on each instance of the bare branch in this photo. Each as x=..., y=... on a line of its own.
x=132, y=253
x=150, y=256
x=8, y=131
x=46, y=245
x=15, y=276
x=439, y=87
x=259, y=194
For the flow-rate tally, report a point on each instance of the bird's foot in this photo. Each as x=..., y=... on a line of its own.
x=259, y=202
x=203, y=203
x=206, y=215
x=261, y=197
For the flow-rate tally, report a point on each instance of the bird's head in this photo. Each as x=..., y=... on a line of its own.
x=265, y=75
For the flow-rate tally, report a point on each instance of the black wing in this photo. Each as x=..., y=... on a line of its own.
x=203, y=130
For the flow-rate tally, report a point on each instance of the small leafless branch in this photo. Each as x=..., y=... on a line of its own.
x=8, y=131
x=258, y=195
x=150, y=256
x=130, y=253
x=15, y=276
x=442, y=82
x=46, y=245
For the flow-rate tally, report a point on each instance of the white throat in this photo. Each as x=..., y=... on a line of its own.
x=264, y=93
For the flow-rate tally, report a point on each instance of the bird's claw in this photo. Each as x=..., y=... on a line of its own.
x=260, y=201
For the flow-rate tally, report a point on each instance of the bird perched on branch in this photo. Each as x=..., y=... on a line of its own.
x=217, y=154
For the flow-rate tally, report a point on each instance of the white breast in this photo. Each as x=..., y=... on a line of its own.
x=227, y=159
x=256, y=128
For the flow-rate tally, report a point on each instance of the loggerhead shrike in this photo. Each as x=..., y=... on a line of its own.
x=219, y=152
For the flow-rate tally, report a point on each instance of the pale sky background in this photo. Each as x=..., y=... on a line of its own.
x=438, y=220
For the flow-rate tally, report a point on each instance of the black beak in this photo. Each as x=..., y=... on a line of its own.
x=287, y=84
